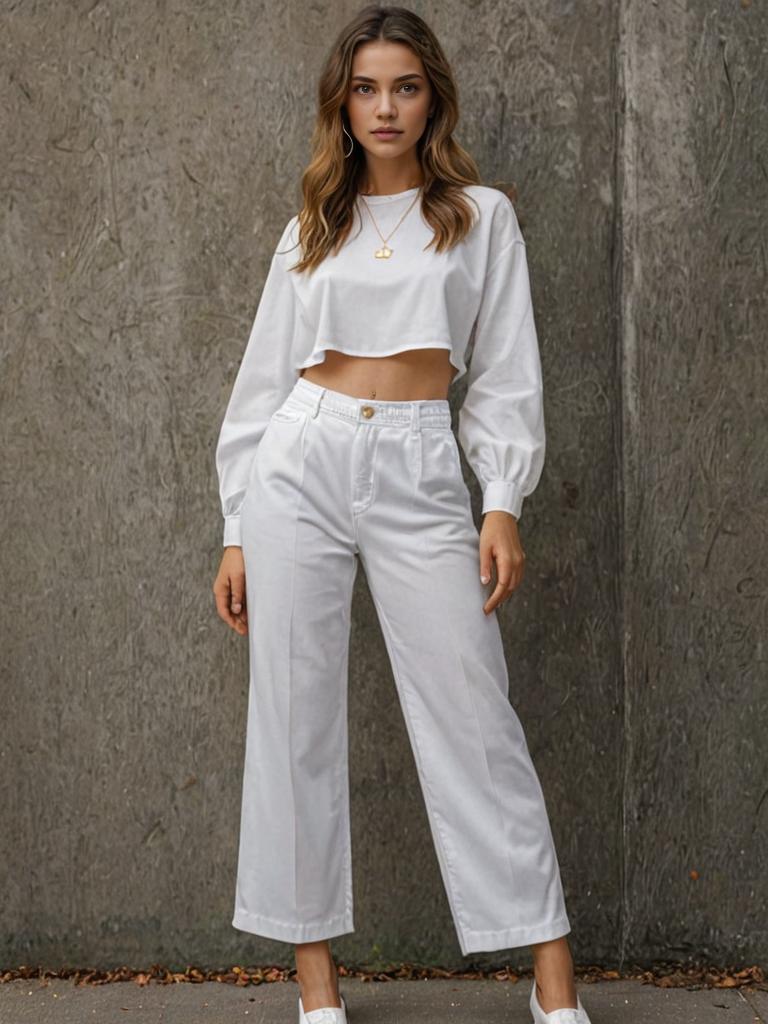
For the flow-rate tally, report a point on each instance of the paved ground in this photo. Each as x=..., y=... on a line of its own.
x=59, y=1001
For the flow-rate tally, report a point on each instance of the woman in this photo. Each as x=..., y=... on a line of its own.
x=336, y=447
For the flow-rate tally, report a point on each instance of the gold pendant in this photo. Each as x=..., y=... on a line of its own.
x=383, y=253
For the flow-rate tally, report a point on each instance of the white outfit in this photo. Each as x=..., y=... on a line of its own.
x=473, y=300
x=335, y=481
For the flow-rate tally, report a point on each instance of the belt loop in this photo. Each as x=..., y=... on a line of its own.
x=316, y=404
x=415, y=418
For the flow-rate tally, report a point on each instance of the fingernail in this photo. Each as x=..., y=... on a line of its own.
x=236, y=608
x=485, y=579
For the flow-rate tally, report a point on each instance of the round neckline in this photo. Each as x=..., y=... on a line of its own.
x=391, y=198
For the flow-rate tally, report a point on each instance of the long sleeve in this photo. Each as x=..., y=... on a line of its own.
x=264, y=379
x=501, y=421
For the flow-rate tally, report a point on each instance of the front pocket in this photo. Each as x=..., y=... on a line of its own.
x=456, y=451
x=440, y=475
x=278, y=466
x=448, y=451
x=284, y=414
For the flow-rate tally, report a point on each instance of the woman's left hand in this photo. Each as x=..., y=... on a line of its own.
x=500, y=540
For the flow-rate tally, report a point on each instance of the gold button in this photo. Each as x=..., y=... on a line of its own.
x=368, y=411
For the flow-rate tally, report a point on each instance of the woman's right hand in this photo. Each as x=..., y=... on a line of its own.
x=229, y=589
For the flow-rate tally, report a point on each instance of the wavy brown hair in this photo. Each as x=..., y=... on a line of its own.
x=330, y=181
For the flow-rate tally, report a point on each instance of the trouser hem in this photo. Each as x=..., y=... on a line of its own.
x=283, y=931
x=508, y=938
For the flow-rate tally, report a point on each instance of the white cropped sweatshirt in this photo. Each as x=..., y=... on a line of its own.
x=474, y=301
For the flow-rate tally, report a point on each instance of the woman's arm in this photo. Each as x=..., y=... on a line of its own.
x=264, y=379
x=501, y=421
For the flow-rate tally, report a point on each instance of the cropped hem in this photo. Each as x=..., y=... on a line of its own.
x=508, y=938
x=283, y=931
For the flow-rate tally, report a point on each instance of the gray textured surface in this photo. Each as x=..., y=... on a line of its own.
x=404, y=1002
x=152, y=155
x=695, y=449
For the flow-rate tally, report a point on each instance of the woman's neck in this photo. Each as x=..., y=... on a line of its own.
x=389, y=187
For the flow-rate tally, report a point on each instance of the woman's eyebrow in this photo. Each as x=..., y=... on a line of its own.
x=400, y=78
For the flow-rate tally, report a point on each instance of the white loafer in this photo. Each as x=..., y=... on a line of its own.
x=566, y=1015
x=324, y=1014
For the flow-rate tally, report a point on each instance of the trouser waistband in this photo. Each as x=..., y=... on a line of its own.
x=432, y=412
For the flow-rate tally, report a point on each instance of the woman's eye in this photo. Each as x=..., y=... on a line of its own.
x=405, y=85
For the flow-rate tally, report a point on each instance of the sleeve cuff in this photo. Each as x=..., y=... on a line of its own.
x=232, y=531
x=503, y=496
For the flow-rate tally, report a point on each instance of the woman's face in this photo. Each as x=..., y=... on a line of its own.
x=388, y=86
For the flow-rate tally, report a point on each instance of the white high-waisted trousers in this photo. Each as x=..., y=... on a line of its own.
x=335, y=477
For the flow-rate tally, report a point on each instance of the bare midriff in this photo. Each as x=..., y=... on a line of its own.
x=422, y=373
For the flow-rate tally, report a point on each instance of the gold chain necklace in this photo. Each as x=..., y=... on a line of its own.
x=385, y=252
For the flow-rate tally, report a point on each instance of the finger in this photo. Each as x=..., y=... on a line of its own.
x=515, y=580
x=485, y=564
x=518, y=571
x=237, y=589
x=503, y=575
x=221, y=593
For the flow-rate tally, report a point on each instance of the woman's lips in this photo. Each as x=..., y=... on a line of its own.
x=387, y=134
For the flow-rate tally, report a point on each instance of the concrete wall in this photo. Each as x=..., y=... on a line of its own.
x=152, y=154
x=693, y=304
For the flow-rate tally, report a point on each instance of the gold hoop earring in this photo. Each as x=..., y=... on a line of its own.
x=352, y=141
